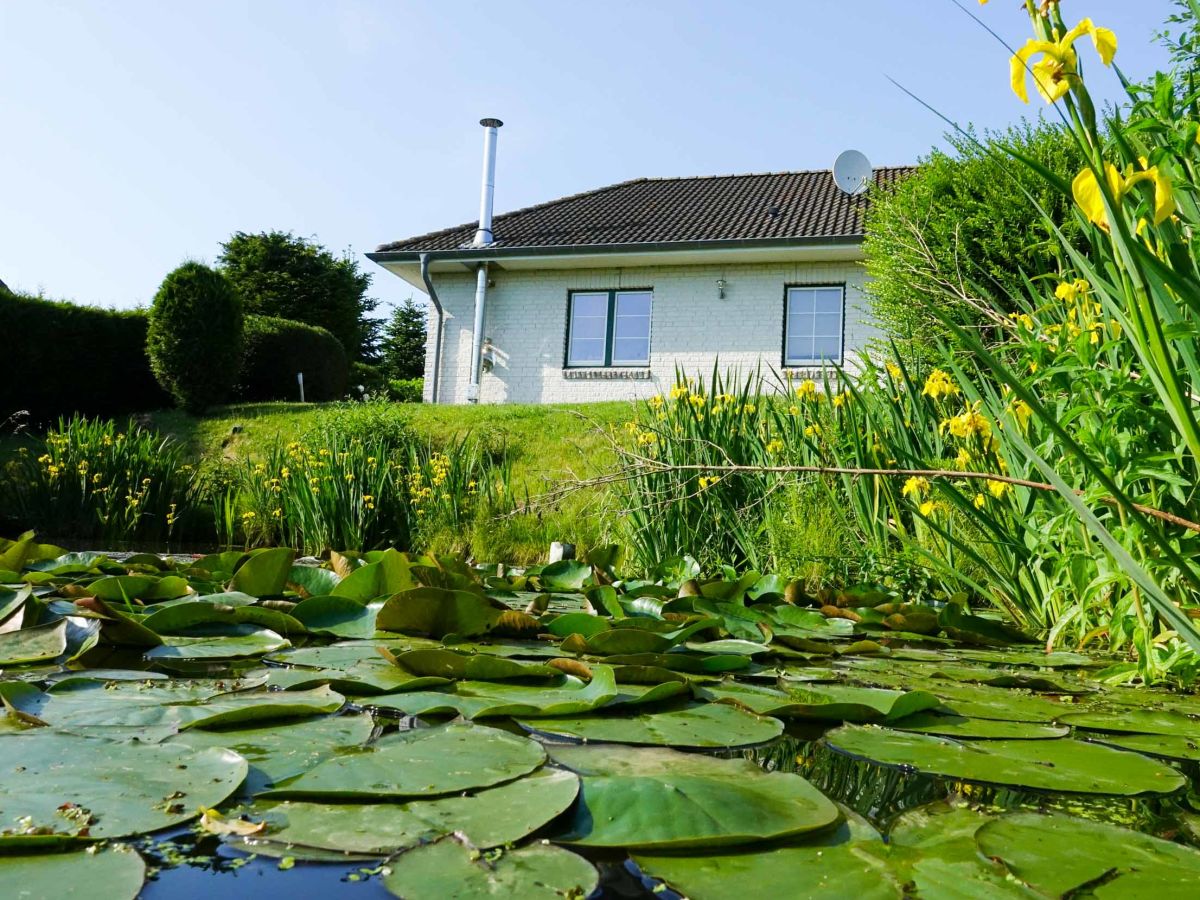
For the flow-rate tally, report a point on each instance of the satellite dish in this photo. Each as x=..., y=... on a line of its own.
x=852, y=172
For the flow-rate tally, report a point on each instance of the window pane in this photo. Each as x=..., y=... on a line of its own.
x=828, y=300
x=633, y=303
x=827, y=324
x=631, y=350
x=589, y=328
x=828, y=348
x=589, y=305
x=586, y=353
x=632, y=326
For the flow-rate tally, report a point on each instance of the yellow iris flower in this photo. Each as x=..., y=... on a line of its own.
x=1087, y=193
x=1059, y=64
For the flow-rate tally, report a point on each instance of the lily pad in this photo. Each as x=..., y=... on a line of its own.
x=438, y=612
x=117, y=789
x=1058, y=854
x=829, y=702
x=475, y=667
x=707, y=725
x=265, y=573
x=280, y=752
x=114, y=874
x=448, y=870
x=231, y=642
x=652, y=798
x=1135, y=721
x=420, y=763
x=1053, y=765
x=987, y=729
x=489, y=818
x=337, y=616
x=1168, y=746
x=37, y=644
x=483, y=699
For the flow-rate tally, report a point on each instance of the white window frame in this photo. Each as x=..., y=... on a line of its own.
x=840, y=334
x=610, y=360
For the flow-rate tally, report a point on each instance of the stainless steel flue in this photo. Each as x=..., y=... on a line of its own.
x=483, y=236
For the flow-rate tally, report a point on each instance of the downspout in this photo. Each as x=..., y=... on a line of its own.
x=437, y=329
x=483, y=238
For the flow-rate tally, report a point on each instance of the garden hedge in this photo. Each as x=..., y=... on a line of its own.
x=64, y=359
x=276, y=349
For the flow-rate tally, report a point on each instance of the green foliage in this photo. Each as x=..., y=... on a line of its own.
x=406, y=390
x=74, y=359
x=275, y=350
x=367, y=377
x=195, y=336
x=279, y=274
x=403, y=346
x=958, y=236
x=92, y=479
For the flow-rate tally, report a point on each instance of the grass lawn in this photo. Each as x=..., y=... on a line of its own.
x=545, y=443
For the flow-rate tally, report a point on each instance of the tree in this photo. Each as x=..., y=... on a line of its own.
x=279, y=274
x=194, y=339
x=403, y=346
x=962, y=233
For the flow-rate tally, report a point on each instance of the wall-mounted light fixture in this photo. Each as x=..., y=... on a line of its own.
x=720, y=288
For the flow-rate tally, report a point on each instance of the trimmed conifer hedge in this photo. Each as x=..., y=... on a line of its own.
x=275, y=350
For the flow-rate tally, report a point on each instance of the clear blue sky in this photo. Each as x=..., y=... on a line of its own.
x=134, y=135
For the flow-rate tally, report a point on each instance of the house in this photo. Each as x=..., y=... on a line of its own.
x=602, y=295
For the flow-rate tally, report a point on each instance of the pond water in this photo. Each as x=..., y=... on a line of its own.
x=238, y=725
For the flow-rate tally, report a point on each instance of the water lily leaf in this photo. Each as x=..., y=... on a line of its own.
x=265, y=573
x=1057, y=854
x=692, y=663
x=118, y=789
x=728, y=646
x=793, y=620
x=1007, y=678
x=987, y=729
x=233, y=642
x=10, y=602
x=438, y=612
x=489, y=818
x=565, y=575
x=482, y=699
x=1168, y=746
x=179, y=619
x=37, y=644
x=113, y=873
x=449, y=664
x=446, y=868
x=337, y=616
x=350, y=669
x=706, y=725
x=973, y=629
x=576, y=623
x=420, y=763
x=831, y=702
x=982, y=702
x=1053, y=765
x=389, y=574
x=279, y=752
x=653, y=798
x=312, y=581
x=818, y=869
x=1134, y=721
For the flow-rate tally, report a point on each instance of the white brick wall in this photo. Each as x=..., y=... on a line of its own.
x=690, y=327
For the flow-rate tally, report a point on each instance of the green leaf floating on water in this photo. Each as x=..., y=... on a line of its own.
x=112, y=874
x=707, y=725
x=565, y=575
x=652, y=798
x=265, y=573
x=474, y=667
x=438, y=612
x=1052, y=765
x=30, y=645
x=181, y=618
x=490, y=817
x=1169, y=746
x=424, y=762
x=337, y=616
x=447, y=869
x=985, y=729
x=1058, y=854
x=483, y=699
x=829, y=702
x=280, y=752
x=221, y=642
x=120, y=789
x=1135, y=721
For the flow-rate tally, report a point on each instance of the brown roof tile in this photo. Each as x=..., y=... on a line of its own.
x=777, y=205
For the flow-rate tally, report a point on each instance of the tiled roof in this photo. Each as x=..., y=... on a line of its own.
x=777, y=205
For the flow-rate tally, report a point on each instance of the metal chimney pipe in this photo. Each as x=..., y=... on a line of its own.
x=483, y=236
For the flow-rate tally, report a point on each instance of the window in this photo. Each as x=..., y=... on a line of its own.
x=813, y=325
x=609, y=328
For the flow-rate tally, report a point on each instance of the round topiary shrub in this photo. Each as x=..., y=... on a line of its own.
x=277, y=349
x=194, y=340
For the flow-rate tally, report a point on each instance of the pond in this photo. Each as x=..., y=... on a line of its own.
x=384, y=725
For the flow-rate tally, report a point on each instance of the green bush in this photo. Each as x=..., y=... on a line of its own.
x=195, y=336
x=74, y=359
x=960, y=234
x=406, y=390
x=275, y=350
x=368, y=377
